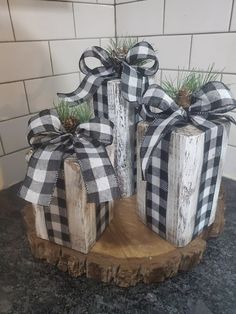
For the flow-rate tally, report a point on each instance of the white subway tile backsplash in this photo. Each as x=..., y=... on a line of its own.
x=230, y=81
x=43, y=92
x=94, y=20
x=105, y=42
x=13, y=134
x=124, y=1
x=12, y=168
x=66, y=54
x=13, y=101
x=42, y=19
x=214, y=48
x=233, y=21
x=24, y=60
x=140, y=18
x=1, y=150
x=6, y=33
x=191, y=16
x=168, y=75
x=232, y=134
x=106, y=1
x=173, y=51
x=230, y=164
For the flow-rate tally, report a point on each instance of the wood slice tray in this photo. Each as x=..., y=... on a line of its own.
x=127, y=252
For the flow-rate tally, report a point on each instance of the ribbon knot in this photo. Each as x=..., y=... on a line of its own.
x=52, y=145
x=134, y=76
x=208, y=104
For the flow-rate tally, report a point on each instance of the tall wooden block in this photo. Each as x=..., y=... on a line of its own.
x=184, y=174
x=82, y=216
x=122, y=114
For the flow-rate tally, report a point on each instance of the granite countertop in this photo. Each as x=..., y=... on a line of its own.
x=30, y=286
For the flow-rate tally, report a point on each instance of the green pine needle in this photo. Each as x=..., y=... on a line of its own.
x=81, y=112
x=191, y=82
x=121, y=44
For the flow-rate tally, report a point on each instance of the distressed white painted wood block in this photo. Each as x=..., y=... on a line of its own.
x=122, y=114
x=81, y=215
x=184, y=170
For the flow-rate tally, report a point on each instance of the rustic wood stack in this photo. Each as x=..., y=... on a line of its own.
x=128, y=252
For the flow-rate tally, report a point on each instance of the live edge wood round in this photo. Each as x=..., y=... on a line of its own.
x=127, y=252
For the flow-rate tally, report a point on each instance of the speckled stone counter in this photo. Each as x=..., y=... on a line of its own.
x=29, y=286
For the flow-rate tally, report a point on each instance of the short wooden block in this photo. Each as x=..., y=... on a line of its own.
x=122, y=114
x=81, y=215
x=184, y=169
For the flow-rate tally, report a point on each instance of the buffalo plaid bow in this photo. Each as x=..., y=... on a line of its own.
x=134, y=77
x=208, y=106
x=52, y=145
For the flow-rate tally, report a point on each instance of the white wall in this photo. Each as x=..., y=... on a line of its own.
x=40, y=46
x=187, y=34
x=41, y=42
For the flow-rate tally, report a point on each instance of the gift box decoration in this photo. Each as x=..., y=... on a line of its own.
x=180, y=160
x=116, y=87
x=70, y=179
x=123, y=117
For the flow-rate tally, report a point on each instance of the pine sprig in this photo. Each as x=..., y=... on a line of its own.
x=121, y=46
x=81, y=112
x=190, y=82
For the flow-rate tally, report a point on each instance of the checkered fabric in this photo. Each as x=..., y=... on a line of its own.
x=208, y=106
x=44, y=182
x=134, y=78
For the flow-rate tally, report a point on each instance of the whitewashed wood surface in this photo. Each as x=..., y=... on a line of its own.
x=122, y=114
x=81, y=215
x=184, y=170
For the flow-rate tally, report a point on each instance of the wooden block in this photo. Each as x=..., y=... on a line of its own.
x=81, y=215
x=122, y=114
x=184, y=169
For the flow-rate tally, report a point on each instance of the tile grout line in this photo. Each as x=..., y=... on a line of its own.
x=115, y=20
x=129, y=2
x=190, y=52
x=15, y=151
x=104, y=37
x=3, y=150
x=164, y=14
x=13, y=31
x=26, y=95
x=231, y=15
x=182, y=34
x=50, y=56
x=52, y=39
x=83, y=2
x=40, y=77
x=76, y=72
x=73, y=11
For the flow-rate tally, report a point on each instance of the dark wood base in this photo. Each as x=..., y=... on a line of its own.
x=127, y=252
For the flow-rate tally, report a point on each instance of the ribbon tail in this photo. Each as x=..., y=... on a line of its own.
x=41, y=177
x=156, y=131
x=97, y=171
x=214, y=132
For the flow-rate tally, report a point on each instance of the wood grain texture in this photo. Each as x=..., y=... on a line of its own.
x=184, y=169
x=122, y=114
x=127, y=253
x=81, y=215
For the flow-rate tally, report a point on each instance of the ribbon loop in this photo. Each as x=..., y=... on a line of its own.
x=98, y=53
x=134, y=77
x=52, y=145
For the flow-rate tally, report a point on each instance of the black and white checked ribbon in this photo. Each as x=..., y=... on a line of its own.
x=134, y=77
x=44, y=182
x=208, y=105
